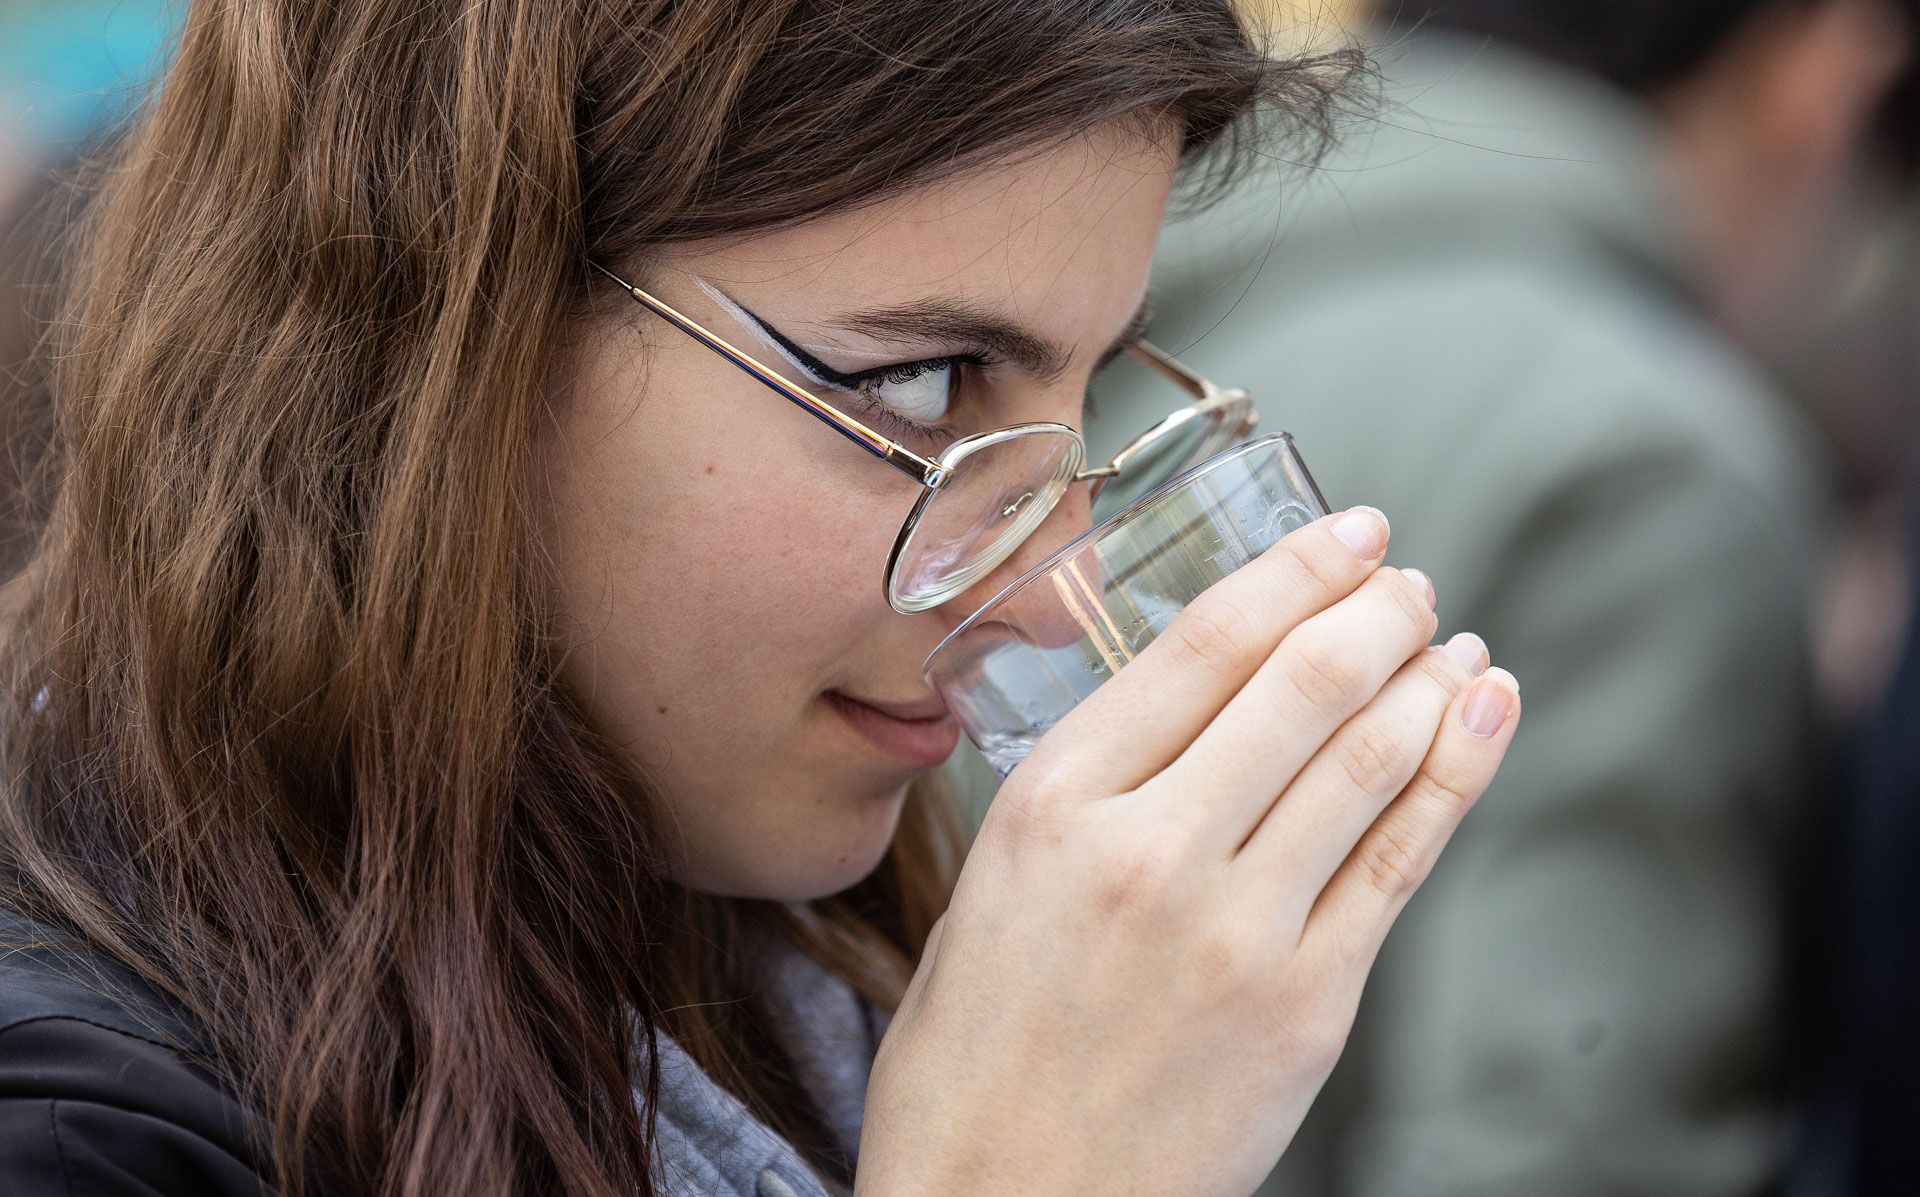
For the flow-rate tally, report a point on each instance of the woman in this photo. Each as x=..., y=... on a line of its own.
x=457, y=744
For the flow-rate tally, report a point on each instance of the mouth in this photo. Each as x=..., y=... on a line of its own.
x=921, y=735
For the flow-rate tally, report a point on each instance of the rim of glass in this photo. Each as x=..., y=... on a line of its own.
x=1112, y=523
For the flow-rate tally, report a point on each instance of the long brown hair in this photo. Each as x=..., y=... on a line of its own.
x=282, y=724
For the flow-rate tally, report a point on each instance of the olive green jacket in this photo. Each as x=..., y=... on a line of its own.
x=1477, y=319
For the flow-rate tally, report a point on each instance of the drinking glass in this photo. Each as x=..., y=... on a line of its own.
x=1015, y=667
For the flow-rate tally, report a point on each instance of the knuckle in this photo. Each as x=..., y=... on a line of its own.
x=1323, y=1044
x=1393, y=863
x=1317, y=566
x=1443, y=671
x=1025, y=814
x=1325, y=671
x=1308, y=1028
x=1452, y=790
x=1411, y=602
x=1047, y=777
x=1222, y=956
x=1136, y=878
x=1373, y=756
x=1317, y=1045
x=1213, y=634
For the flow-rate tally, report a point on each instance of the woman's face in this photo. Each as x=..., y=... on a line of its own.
x=721, y=552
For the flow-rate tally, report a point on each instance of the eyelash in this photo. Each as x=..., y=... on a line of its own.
x=900, y=372
x=904, y=372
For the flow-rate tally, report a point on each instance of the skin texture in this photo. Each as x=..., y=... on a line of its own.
x=723, y=551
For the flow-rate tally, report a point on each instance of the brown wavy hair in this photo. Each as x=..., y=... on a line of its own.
x=282, y=724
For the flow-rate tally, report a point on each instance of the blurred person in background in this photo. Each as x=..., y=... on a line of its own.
x=1867, y=1101
x=1867, y=1098
x=1849, y=354
x=1528, y=297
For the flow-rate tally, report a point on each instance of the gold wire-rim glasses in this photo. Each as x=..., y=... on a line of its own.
x=1209, y=402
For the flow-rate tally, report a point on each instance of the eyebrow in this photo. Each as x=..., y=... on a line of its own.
x=960, y=320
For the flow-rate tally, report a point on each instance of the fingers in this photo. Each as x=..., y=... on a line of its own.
x=1397, y=852
x=1148, y=713
x=1306, y=835
x=1324, y=671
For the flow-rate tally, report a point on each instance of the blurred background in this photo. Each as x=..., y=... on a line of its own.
x=71, y=73
x=1611, y=306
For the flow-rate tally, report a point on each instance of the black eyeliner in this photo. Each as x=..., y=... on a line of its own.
x=849, y=382
x=814, y=365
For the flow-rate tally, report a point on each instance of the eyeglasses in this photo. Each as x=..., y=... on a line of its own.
x=985, y=494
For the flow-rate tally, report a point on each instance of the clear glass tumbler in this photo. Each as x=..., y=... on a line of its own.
x=1020, y=663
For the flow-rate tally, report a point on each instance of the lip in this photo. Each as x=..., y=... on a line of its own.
x=921, y=735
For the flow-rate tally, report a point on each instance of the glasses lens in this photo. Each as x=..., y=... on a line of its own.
x=995, y=495
x=1172, y=453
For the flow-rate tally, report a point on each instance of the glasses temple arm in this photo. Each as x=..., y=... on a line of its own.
x=919, y=468
x=1173, y=370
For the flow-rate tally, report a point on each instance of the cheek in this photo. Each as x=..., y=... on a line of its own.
x=737, y=576
x=701, y=555
x=715, y=575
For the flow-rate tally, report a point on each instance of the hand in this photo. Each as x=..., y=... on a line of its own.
x=1157, y=945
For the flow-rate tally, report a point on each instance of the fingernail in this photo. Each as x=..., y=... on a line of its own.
x=1425, y=583
x=1469, y=650
x=1490, y=703
x=1363, y=530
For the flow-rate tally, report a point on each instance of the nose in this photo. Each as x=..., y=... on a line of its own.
x=1045, y=620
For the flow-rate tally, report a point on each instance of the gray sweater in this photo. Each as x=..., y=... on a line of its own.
x=710, y=1144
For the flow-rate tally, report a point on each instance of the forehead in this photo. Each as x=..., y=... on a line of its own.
x=1060, y=239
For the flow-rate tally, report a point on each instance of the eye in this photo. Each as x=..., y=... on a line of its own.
x=917, y=395
x=918, y=391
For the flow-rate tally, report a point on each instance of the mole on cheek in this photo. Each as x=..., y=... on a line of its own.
x=662, y=710
x=709, y=467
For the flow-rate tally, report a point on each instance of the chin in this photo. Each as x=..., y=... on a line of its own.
x=830, y=856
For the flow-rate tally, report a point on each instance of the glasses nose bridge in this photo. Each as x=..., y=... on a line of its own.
x=1206, y=401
